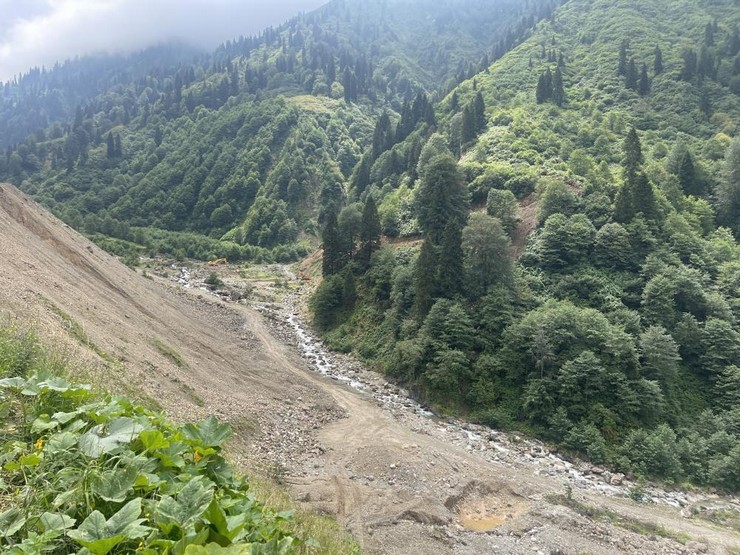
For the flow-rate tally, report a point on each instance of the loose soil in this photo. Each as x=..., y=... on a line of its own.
x=344, y=441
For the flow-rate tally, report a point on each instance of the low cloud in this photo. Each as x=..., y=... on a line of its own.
x=36, y=33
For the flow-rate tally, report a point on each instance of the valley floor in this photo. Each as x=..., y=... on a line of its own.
x=403, y=481
x=347, y=444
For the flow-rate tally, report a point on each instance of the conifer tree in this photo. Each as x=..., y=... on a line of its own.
x=658, y=65
x=709, y=35
x=544, y=87
x=636, y=194
x=622, y=68
x=624, y=204
x=734, y=45
x=630, y=78
x=689, y=65
x=425, y=279
x=643, y=197
x=111, y=148
x=558, y=92
x=633, y=158
x=450, y=269
x=728, y=192
x=369, y=233
x=687, y=177
x=468, y=125
x=644, y=85
x=332, y=261
x=442, y=197
x=361, y=177
x=479, y=106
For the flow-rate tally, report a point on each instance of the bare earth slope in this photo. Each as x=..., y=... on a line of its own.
x=395, y=479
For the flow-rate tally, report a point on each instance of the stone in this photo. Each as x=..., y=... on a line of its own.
x=617, y=479
x=697, y=546
x=597, y=470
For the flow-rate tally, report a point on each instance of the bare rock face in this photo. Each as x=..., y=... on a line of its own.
x=617, y=479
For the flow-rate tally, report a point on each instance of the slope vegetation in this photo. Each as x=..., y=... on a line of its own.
x=615, y=330
x=400, y=481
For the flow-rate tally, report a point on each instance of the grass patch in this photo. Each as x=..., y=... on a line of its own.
x=610, y=517
x=73, y=458
x=75, y=330
x=325, y=530
x=724, y=517
x=168, y=352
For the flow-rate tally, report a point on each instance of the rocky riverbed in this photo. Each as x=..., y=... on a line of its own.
x=511, y=449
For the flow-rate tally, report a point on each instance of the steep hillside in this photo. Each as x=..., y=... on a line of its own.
x=603, y=146
x=257, y=138
x=402, y=482
x=43, y=97
x=142, y=338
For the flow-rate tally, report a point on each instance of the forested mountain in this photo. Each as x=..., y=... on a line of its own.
x=561, y=184
x=38, y=99
x=252, y=143
x=572, y=265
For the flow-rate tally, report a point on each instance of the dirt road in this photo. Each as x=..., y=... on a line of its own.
x=400, y=481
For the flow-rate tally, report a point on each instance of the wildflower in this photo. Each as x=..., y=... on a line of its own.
x=39, y=443
x=197, y=456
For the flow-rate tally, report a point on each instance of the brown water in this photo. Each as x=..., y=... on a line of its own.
x=477, y=523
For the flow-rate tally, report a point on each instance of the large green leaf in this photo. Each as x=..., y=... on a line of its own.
x=100, y=536
x=42, y=424
x=105, y=439
x=190, y=504
x=153, y=439
x=15, y=383
x=114, y=485
x=51, y=522
x=64, y=417
x=210, y=432
x=172, y=455
x=199, y=538
x=61, y=442
x=11, y=521
x=56, y=384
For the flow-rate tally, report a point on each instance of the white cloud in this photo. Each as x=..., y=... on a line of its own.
x=42, y=32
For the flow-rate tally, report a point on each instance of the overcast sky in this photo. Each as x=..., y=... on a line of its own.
x=42, y=32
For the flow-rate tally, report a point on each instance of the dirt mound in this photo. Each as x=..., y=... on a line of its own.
x=187, y=354
x=400, y=480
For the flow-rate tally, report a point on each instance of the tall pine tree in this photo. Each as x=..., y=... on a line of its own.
x=442, y=198
x=630, y=78
x=369, y=233
x=622, y=67
x=425, y=279
x=558, y=92
x=334, y=251
x=450, y=269
x=658, y=64
x=644, y=85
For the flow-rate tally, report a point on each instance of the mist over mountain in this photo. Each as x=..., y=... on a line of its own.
x=44, y=32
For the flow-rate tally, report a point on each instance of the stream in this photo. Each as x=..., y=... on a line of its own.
x=494, y=446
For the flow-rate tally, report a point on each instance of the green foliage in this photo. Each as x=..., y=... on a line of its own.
x=485, y=248
x=108, y=476
x=441, y=198
x=503, y=206
x=615, y=332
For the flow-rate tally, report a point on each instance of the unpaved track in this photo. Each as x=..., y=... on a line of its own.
x=397, y=488
x=411, y=512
